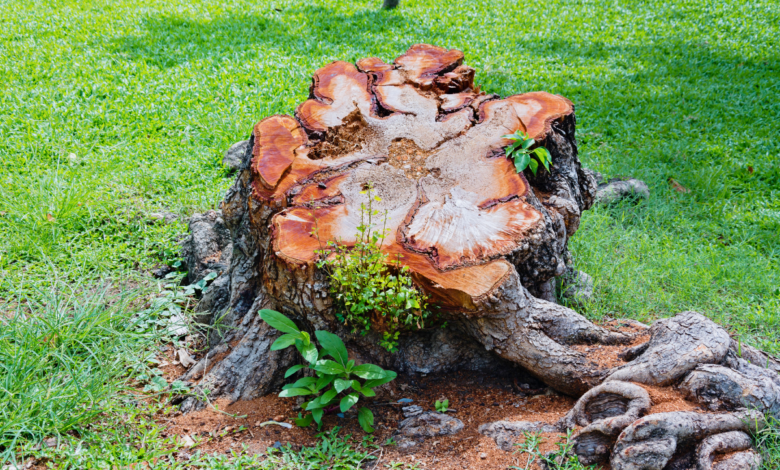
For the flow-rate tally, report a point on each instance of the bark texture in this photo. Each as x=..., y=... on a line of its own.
x=604, y=411
x=484, y=242
x=650, y=443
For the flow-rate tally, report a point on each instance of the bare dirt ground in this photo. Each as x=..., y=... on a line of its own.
x=474, y=398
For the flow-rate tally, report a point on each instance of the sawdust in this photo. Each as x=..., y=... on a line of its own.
x=608, y=356
x=667, y=399
x=344, y=139
x=407, y=156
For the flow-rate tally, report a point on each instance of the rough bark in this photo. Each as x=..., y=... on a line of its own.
x=677, y=345
x=604, y=411
x=723, y=388
x=735, y=443
x=651, y=442
x=484, y=242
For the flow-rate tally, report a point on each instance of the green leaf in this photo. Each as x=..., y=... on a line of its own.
x=304, y=382
x=366, y=419
x=521, y=162
x=544, y=156
x=294, y=392
x=348, y=402
x=284, y=341
x=309, y=352
x=369, y=371
x=389, y=377
x=333, y=345
x=278, y=321
x=317, y=415
x=527, y=143
x=328, y=396
x=534, y=165
x=324, y=381
x=305, y=421
x=368, y=392
x=293, y=370
x=305, y=337
x=329, y=367
x=342, y=385
x=315, y=404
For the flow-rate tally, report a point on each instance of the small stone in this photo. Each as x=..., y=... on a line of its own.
x=50, y=442
x=235, y=155
x=618, y=189
x=430, y=424
x=161, y=271
x=482, y=455
x=167, y=217
x=575, y=286
x=412, y=410
x=184, y=358
x=279, y=418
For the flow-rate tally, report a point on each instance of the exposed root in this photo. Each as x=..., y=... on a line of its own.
x=604, y=411
x=651, y=442
x=677, y=345
x=721, y=388
x=536, y=334
x=736, y=443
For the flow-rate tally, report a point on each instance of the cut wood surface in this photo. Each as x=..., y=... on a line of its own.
x=451, y=199
x=483, y=241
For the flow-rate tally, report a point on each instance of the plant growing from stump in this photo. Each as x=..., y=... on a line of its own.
x=370, y=291
x=335, y=383
x=520, y=151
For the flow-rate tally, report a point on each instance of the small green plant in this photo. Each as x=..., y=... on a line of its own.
x=520, y=152
x=529, y=446
x=562, y=459
x=371, y=291
x=442, y=406
x=330, y=386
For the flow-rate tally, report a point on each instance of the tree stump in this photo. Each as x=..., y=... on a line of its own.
x=484, y=242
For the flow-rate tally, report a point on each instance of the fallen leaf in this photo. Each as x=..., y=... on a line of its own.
x=678, y=187
x=750, y=170
x=184, y=357
x=49, y=217
x=188, y=441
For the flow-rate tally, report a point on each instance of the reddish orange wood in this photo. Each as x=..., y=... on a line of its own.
x=431, y=144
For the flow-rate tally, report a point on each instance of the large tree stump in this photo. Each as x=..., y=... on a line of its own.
x=483, y=241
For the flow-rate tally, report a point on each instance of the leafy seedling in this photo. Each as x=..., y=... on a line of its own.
x=520, y=151
x=336, y=383
x=442, y=406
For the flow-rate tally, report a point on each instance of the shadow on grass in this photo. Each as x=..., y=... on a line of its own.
x=171, y=40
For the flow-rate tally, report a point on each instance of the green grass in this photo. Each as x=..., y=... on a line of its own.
x=112, y=111
x=61, y=363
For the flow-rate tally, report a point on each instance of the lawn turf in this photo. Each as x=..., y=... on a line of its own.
x=114, y=111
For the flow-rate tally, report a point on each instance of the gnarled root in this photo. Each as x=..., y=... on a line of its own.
x=677, y=345
x=604, y=411
x=651, y=442
x=536, y=334
x=721, y=388
x=736, y=443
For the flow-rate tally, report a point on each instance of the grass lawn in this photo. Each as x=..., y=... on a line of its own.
x=112, y=111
